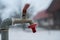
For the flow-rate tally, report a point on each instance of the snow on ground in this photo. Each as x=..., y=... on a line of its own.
x=19, y=34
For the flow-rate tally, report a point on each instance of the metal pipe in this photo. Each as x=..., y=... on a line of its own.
x=4, y=28
x=17, y=21
x=7, y=22
x=32, y=25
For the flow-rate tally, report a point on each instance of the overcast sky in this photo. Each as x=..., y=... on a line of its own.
x=15, y=5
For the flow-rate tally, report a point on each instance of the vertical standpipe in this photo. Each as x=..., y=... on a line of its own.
x=4, y=29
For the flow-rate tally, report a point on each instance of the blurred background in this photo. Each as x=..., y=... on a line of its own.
x=46, y=13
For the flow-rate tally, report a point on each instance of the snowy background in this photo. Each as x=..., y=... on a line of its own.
x=12, y=6
x=18, y=34
x=9, y=8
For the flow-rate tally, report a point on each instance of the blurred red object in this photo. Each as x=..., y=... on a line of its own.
x=33, y=26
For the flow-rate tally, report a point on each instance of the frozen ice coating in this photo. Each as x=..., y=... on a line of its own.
x=17, y=5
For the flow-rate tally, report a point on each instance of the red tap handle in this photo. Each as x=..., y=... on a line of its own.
x=33, y=30
x=33, y=26
x=25, y=8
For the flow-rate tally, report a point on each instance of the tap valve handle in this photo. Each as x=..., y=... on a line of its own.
x=33, y=27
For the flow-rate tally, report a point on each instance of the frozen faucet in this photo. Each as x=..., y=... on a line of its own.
x=9, y=21
x=25, y=19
